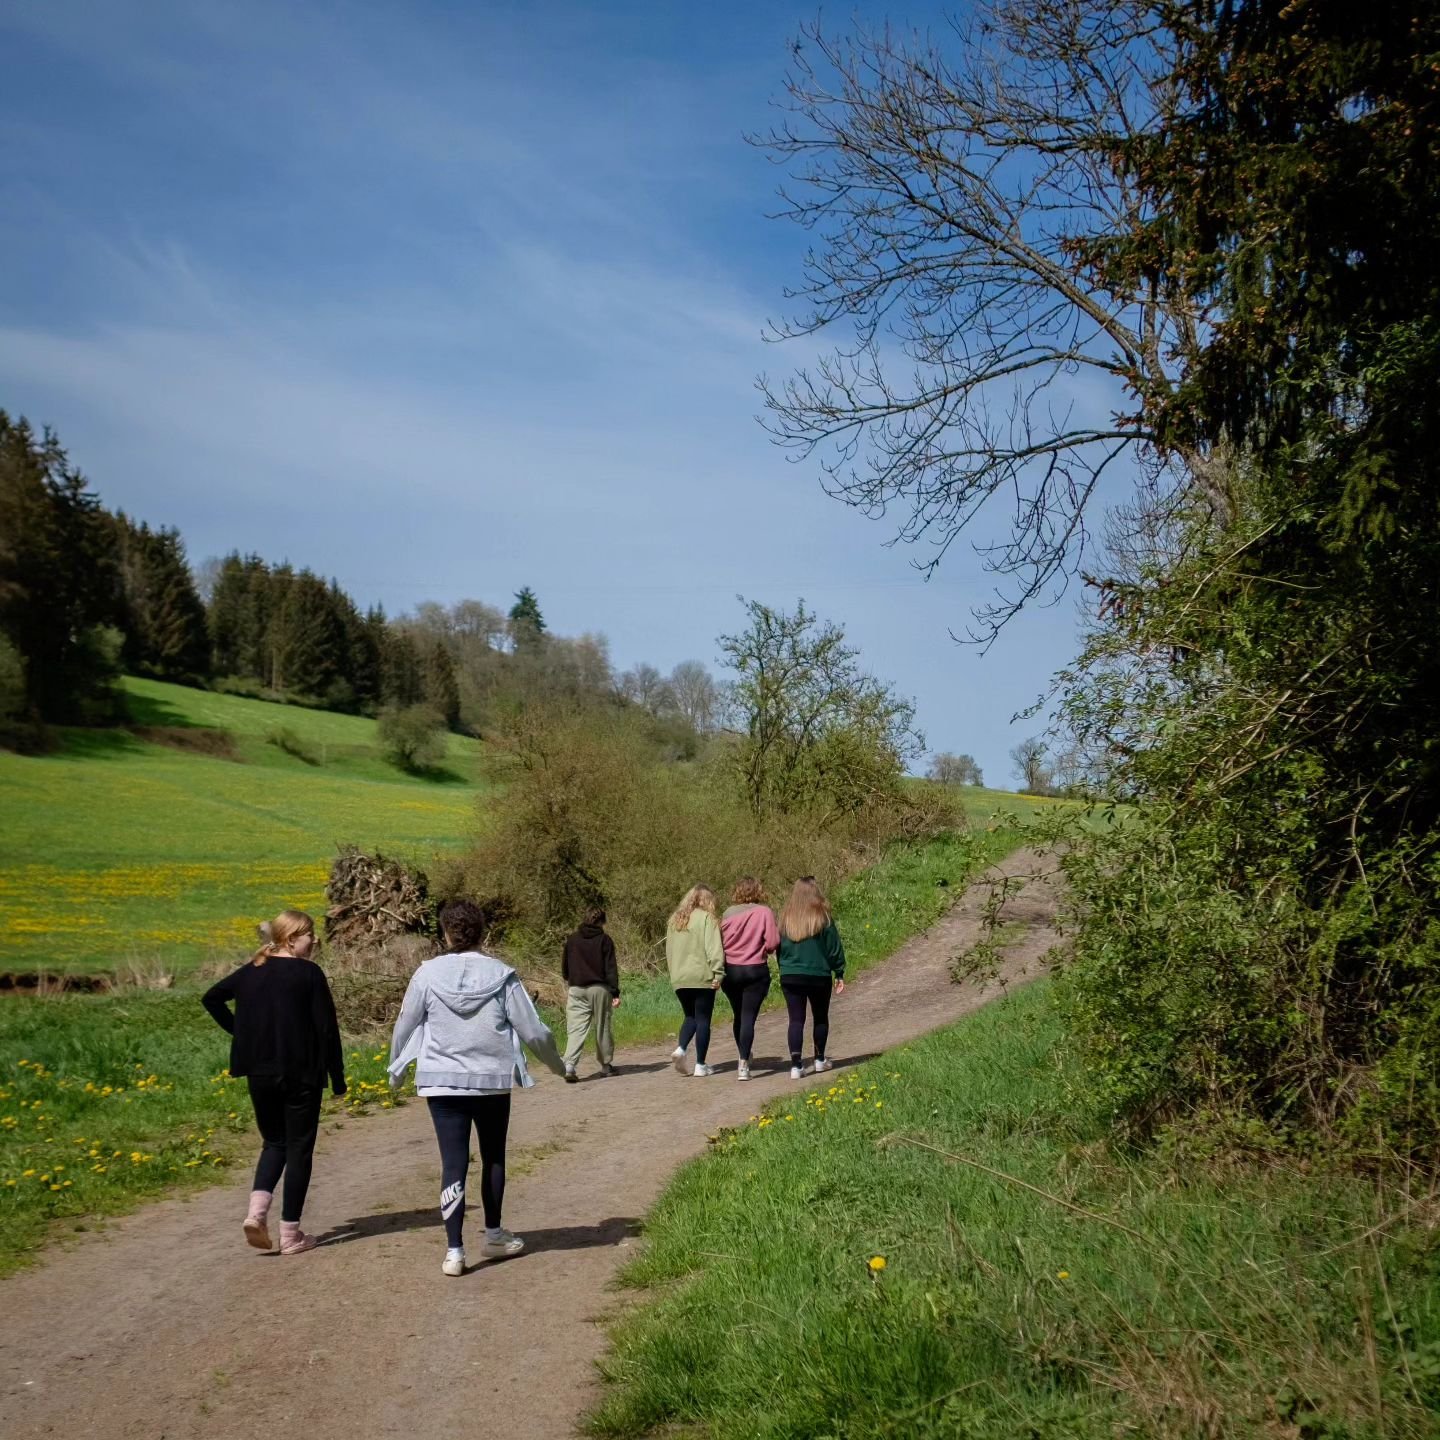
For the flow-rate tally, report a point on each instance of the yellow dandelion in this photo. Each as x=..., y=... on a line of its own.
x=876, y=1263
x=1062, y=1274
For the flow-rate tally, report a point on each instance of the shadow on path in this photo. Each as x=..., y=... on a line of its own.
x=560, y=1237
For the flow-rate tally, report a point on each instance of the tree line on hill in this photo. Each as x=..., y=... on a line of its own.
x=87, y=593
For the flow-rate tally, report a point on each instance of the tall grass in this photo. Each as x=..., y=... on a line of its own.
x=816, y=1275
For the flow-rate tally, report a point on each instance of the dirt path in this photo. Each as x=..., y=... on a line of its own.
x=167, y=1326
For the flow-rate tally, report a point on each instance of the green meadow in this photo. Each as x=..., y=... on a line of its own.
x=136, y=847
x=946, y=1243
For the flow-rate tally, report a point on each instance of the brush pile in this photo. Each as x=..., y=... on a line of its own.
x=374, y=900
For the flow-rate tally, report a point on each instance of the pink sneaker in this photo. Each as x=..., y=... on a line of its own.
x=293, y=1240
x=257, y=1230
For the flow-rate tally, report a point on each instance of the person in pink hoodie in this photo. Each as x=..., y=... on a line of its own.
x=750, y=936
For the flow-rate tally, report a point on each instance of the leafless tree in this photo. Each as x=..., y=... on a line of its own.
x=985, y=348
x=695, y=693
x=1030, y=768
x=648, y=688
x=950, y=769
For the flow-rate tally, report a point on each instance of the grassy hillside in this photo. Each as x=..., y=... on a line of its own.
x=817, y=1276
x=118, y=849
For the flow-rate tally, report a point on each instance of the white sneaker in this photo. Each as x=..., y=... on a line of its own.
x=453, y=1263
x=677, y=1059
x=501, y=1249
x=797, y=1071
x=701, y=1071
x=744, y=1071
x=821, y=1066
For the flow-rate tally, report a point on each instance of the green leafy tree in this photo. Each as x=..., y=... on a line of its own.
x=815, y=732
x=949, y=769
x=412, y=736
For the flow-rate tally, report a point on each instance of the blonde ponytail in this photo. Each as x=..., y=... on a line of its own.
x=277, y=934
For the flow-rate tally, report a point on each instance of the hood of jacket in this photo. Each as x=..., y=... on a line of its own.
x=465, y=982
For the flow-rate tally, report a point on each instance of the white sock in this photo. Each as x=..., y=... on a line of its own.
x=494, y=1233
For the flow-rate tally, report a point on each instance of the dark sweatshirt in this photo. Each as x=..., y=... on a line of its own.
x=590, y=960
x=821, y=957
x=284, y=1021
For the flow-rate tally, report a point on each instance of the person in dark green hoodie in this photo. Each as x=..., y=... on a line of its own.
x=811, y=957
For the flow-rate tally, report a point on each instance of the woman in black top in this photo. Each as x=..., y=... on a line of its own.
x=285, y=1040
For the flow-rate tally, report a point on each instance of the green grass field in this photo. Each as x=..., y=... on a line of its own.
x=115, y=851
x=816, y=1276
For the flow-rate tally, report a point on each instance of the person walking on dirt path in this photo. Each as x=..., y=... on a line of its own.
x=810, y=956
x=696, y=959
x=588, y=967
x=285, y=1041
x=462, y=1022
x=749, y=936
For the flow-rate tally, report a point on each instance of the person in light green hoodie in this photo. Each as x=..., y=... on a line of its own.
x=696, y=958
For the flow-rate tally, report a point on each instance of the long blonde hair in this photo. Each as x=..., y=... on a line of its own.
x=806, y=912
x=278, y=933
x=697, y=897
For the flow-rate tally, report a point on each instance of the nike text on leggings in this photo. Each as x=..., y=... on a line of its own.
x=452, y=1116
x=800, y=989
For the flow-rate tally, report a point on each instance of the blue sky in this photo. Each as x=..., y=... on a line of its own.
x=446, y=299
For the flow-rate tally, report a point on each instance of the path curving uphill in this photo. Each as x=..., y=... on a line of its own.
x=167, y=1326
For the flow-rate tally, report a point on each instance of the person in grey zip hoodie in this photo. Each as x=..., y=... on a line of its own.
x=462, y=1025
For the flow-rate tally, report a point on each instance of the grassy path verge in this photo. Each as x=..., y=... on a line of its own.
x=816, y=1276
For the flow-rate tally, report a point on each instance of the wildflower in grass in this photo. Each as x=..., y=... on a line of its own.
x=876, y=1263
x=1062, y=1274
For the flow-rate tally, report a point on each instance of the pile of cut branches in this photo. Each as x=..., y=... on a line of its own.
x=374, y=899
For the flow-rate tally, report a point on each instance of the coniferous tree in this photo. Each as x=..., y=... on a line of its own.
x=527, y=624
x=401, y=673
x=442, y=692
x=59, y=581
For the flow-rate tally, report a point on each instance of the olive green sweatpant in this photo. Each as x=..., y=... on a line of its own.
x=588, y=1005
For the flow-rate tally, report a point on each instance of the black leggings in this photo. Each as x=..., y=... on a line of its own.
x=452, y=1116
x=699, y=1006
x=288, y=1115
x=745, y=987
x=798, y=989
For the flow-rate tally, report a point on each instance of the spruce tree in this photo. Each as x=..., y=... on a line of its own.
x=527, y=624
x=442, y=691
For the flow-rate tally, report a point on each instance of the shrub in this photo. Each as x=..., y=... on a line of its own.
x=283, y=738
x=412, y=737
x=592, y=814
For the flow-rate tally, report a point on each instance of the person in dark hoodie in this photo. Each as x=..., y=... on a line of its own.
x=462, y=1024
x=588, y=967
